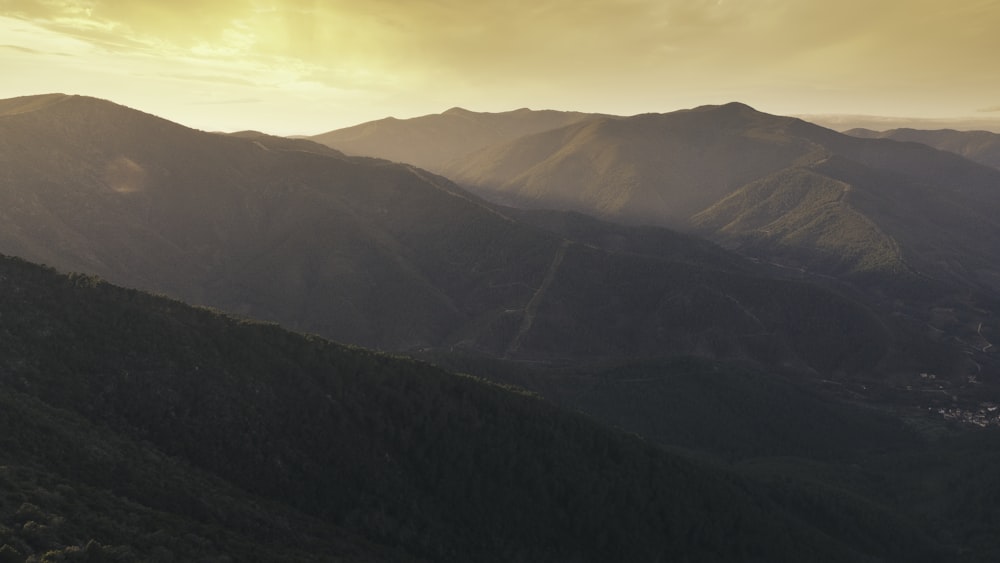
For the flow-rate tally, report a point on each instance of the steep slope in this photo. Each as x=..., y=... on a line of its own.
x=845, y=218
x=978, y=146
x=378, y=254
x=432, y=141
x=236, y=432
x=809, y=215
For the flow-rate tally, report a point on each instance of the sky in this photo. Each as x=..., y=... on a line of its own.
x=310, y=66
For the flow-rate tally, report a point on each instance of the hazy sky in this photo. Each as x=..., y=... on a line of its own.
x=308, y=66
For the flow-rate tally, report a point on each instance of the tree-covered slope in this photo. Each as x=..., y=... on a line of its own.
x=141, y=427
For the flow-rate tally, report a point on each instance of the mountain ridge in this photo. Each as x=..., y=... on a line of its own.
x=373, y=253
x=980, y=146
x=431, y=141
x=910, y=226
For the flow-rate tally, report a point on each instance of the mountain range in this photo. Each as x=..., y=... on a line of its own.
x=801, y=374
x=913, y=228
x=839, y=203
x=979, y=146
x=433, y=141
x=385, y=255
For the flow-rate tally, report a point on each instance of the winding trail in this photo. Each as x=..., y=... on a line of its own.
x=979, y=330
x=532, y=308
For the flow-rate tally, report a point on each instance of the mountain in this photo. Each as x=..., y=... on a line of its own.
x=432, y=141
x=836, y=203
x=373, y=253
x=138, y=428
x=872, y=207
x=134, y=427
x=843, y=123
x=979, y=146
x=650, y=168
x=911, y=228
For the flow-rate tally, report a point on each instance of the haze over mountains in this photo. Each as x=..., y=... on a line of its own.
x=433, y=141
x=378, y=254
x=876, y=201
x=845, y=122
x=799, y=380
x=781, y=190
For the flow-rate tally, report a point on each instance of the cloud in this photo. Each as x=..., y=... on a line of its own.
x=992, y=109
x=217, y=78
x=30, y=51
x=497, y=41
x=21, y=49
x=227, y=102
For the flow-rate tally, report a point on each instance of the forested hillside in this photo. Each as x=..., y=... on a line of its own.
x=141, y=428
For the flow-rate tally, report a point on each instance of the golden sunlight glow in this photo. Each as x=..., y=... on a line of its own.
x=306, y=66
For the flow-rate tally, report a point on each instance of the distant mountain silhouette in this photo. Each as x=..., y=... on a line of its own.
x=650, y=168
x=433, y=141
x=979, y=146
x=379, y=254
x=844, y=122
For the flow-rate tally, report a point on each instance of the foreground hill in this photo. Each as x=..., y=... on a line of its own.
x=433, y=141
x=379, y=254
x=137, y=428
x=979, y=146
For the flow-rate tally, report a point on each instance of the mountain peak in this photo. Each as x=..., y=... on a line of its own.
x=25, y=104
x=729, y=108
x=457, y=111
x=737, y=105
